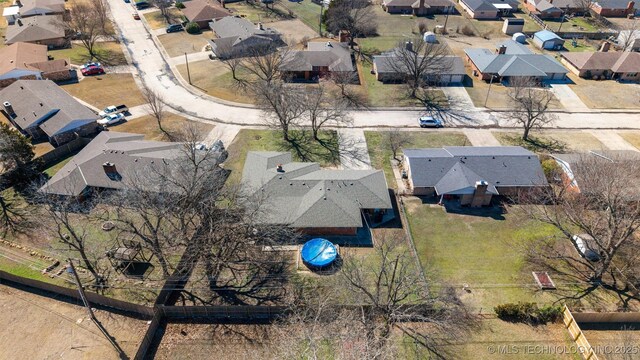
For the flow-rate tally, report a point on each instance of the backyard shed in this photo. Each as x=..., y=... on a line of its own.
x=512, y=26
x=548, y=40
x=519, y=38
x=429, y=37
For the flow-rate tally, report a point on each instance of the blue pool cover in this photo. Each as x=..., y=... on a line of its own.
x=318, y=252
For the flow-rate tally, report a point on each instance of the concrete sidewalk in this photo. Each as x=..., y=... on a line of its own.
x=568, y=98
x=612, y=140
x=481, y=137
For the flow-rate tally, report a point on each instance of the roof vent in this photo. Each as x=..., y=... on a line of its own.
x=279, y=168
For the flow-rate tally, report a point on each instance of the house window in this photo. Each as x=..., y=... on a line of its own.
x=632, y=74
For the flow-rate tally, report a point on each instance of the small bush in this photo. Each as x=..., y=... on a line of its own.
x=422, y=26
x=192, y=28
x=527, y=312
x=551, y=169
x=467, y=31
x=179, y=5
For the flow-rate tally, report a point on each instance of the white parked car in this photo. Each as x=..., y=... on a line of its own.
x=111, y=119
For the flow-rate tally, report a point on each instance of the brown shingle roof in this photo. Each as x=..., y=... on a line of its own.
x=20, y=55
x=202, y=10
x=616, y=61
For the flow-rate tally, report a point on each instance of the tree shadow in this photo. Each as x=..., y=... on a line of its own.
x=537, y=144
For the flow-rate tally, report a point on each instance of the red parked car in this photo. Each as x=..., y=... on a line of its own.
x=92, y=70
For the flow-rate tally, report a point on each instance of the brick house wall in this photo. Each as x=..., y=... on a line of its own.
x=349, y=231
x=6, y=82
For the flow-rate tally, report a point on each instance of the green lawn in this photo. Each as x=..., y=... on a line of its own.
x=256, y=13
x=108, y=53
x=157, y=21
x=306, y=10
x=481, y=248
x=578, y=24
x=380, y=153
x=267, y=140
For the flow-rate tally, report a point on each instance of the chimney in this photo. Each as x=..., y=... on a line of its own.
x=420, y=7
x=110, y=170
x=502, y=50
x=550, y=1
x=279, y=168
x=19, y=21
x=260, y=27
x=409, y=45
x=605, y=46
x=479, y=194
x=223, y=4
x=9, y=109
x=630, y=6
x=344, y=36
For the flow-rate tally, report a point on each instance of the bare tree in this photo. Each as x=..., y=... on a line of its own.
x=530, y=105
x=155, y=104
x=283, y=107
x=396, y=140
x=163, y=6
x=90, y=21
x=357, y=17
x=324, y=109
x=263, y=63
x=345, y=82
x=582, y=7
x=419, y=63
x=597, y=216
x=397, y=297
x=69, y=220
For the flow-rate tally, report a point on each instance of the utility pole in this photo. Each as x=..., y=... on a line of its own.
x=444, y=30
x=320, y=19
x=561, y=22
x=81, y=290
x=488, y=90
x=186, y=60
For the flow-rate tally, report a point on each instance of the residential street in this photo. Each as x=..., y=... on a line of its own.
x=154, y=70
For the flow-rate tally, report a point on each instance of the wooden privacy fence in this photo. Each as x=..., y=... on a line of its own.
x=578, y=336
x=139, y=311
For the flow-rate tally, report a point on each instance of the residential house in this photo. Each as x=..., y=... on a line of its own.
x=622, y=65
x=488, y=9
x=42, y=110
x=108, y=162
x=418, y=7
x=313, y=200
x=471, y=174
x=447, y=70
x=513, y=60
x=571, y=175
x=548, y=40
x=628, y=40
x=553, y=9
x=46, y=30
x=26, y=8
x=202, y=12
x=237, y=37
x=317, y=60
x=30, y=61
x=615, y=8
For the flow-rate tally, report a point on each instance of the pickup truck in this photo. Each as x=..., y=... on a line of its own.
x=111, y=119
x=114, y=110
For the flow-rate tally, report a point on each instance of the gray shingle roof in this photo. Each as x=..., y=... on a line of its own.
x=203, y=10
x=41, y=7
x=43, y=103
x=128, y=152
x=237, y=35
x=306, y=196
x=515, y=62
x=615, y=4
x=454, y=64
x=35, y=28
x=456, y=169
x=334, y=55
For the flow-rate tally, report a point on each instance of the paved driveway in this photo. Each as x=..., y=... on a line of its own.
x=569, y=100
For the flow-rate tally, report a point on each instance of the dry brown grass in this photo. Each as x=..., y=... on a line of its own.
x=618, y=95
x=181, y=42
x=632, y=137
x=498, y=95
x=104, y=90
x=148, y=126
x=157, y=21
x=215, y=79
x=562, y=140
